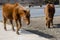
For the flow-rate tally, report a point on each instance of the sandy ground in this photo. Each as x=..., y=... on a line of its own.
x=38, y=27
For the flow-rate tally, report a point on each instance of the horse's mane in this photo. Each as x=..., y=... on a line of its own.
x=22, y=7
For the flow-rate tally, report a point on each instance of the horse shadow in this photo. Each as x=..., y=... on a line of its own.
x=41, y=34
x=56, y=26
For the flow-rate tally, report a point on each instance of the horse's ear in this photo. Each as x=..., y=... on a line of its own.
x=25, y=11
x=16, y=4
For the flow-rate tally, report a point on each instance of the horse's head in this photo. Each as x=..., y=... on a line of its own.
x=50, y=5
x=24, y=13
x=27, y=16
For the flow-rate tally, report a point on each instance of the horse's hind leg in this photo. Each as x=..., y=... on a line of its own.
x=11, y=21
x=5, y=23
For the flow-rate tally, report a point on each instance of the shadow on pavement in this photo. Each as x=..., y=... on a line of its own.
x=41, y=33
x=56, y=26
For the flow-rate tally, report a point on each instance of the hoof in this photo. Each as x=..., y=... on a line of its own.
x=18, y=33
x=5, y=29
x=13, y=29
x=51, y=26
x=48, y=27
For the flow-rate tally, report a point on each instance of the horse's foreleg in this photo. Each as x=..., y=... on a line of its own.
x=20, y=24
x=17, y=26
x=48, y=23
x=52, y=22
x=11, y=21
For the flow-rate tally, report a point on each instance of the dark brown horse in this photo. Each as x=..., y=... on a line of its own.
x=15, y=12
x=49, y=14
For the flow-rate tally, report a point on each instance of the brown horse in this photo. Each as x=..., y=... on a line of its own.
x=15, y=12
x=49, y=14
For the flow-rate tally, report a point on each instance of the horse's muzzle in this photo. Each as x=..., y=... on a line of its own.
x=28, y=23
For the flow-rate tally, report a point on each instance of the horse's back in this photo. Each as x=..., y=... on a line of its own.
x=49, y=10
x=8, y=10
